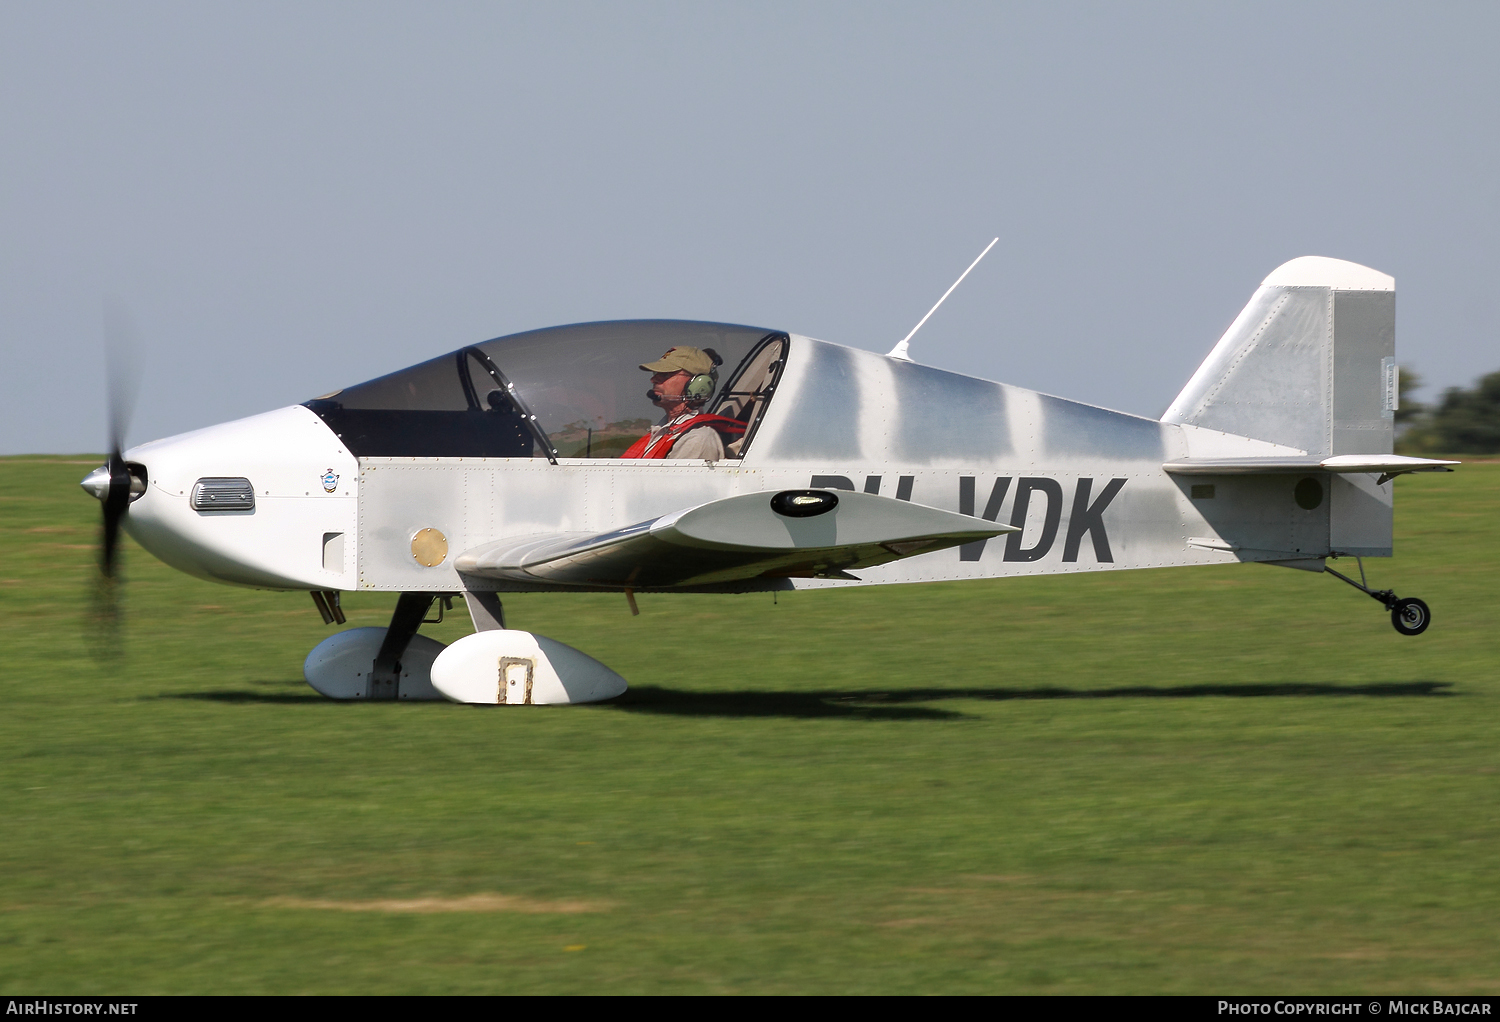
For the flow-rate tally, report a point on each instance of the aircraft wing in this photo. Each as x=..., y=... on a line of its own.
x=735, y=538
x=1387, y=465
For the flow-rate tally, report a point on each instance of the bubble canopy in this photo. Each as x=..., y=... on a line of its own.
x=569, y=392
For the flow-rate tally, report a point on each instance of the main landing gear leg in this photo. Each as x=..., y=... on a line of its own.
x=486, y=611
x=385, y=677
x=1409, y=615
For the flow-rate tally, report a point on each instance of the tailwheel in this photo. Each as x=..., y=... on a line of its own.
x=1410, y=616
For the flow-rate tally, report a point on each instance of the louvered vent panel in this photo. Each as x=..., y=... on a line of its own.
x=223, y=494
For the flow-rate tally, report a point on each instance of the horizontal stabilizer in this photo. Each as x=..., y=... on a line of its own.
x=792, y=534
x=1387, y=465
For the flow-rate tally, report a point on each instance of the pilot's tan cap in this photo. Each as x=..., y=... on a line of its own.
x=694, y=360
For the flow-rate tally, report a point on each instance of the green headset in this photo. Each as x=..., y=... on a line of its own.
x=701, y=387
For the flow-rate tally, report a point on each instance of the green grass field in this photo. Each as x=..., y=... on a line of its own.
x=1234, y=779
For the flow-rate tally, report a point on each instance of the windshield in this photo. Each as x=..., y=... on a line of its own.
x=583, y=384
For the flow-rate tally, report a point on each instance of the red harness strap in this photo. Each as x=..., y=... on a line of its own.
x=658, y=446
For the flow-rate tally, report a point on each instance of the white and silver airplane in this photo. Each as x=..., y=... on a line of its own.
x=531, y=462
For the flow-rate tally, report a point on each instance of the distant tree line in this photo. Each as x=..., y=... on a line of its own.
x=1461, y=422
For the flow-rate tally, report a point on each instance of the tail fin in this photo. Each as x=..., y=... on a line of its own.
x=1309, y=363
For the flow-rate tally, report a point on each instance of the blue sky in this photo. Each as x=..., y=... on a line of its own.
x=294, y=197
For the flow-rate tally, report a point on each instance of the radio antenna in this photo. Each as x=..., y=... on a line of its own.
x=899, y=351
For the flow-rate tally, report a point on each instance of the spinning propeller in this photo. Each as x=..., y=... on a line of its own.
x=112, y=483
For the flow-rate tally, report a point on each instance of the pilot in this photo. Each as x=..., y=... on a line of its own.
x=682, y=382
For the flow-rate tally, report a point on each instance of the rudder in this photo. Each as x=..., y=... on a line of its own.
x=1309, y=363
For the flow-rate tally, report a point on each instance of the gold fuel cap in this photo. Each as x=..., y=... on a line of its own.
x=429, y=547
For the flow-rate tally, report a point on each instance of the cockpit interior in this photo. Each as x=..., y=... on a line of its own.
x=562, y=393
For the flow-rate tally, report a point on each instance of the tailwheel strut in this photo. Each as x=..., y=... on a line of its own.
x=1409, y=615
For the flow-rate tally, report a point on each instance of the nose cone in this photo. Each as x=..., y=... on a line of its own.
x=96, y=483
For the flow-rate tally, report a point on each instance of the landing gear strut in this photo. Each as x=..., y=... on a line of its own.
x=385, y=675
x=1409, y=615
